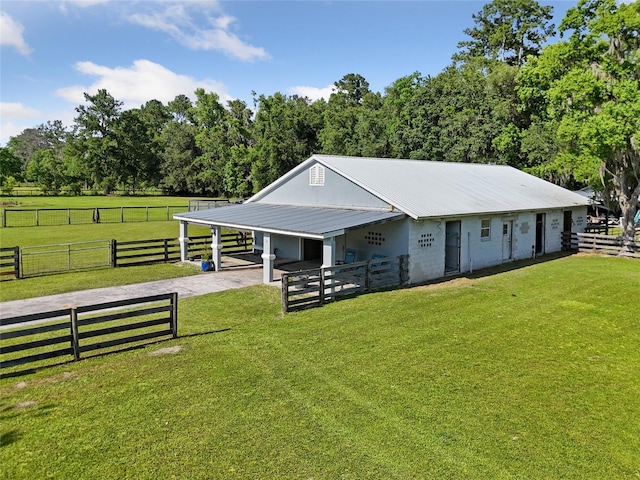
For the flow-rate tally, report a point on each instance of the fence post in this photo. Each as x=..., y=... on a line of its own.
x=68, y=216
x=285, y=292
x=4, y=218
x=401, y=267
x=167, y=212
x=146, y=214
x=174, y=314
x=121, y=214
x=37, y=218
x=321, y=286
x=16, y=261
x=69, y=256
x=75, y=338
x=114, y=253
x=166, y=250
x=367, y=282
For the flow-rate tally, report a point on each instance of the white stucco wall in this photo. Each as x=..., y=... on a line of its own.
x=388, y=239
x=426, y=241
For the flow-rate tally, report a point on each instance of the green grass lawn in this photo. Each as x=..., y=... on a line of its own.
x=91, y=201
x=530, y=373
x=82, y=280
x=52, y=235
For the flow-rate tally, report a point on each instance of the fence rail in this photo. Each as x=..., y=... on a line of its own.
x=80, y=332
x=67, y=257
x=317, y=286
x=36, y=217
x=10, y=261
x=595, y=243
x=64, y=257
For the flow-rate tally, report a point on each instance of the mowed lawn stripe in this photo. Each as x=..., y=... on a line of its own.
x=528, y=373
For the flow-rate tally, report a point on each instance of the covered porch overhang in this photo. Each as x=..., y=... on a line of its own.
x=276, y=221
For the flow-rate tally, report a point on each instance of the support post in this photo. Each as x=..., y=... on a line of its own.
x=75, y=337
x=328, y=260
x=183, y=239
x=216, y=246
x=174, y=314
x=268, y=259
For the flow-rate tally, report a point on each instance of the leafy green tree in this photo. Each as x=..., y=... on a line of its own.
x=10, y=165
x=508, y=31
x=286, y=133
x=96, y=122
x=590, y=84
x=46, y=169
x=178, y=154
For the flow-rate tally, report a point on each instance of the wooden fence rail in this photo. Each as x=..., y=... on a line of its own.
x=79, y=328
x=10, y=261
x=595, y=243
x=317, y=286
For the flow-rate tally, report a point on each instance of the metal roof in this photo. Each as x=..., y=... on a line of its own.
x=425, y=189
x=310, y=222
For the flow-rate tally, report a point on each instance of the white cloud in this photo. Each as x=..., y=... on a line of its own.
x=313, y=93
x=13, y=110
x=13, y=116
x=139, y=83
x=176, y=21
x=11, y=34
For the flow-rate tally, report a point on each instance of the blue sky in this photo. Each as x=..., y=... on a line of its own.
x=54, y=51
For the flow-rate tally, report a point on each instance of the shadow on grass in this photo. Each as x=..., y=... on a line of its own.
x=9, y=437
x=505, y=267
x=32, y=370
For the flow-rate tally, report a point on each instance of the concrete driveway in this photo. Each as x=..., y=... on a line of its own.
x=185, y=286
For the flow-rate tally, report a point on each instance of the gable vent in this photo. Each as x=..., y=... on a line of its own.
x=316, y=176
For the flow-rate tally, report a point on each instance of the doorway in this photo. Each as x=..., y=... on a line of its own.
x=540, y=221
x=507, y=240
x=452, y=247
x=311, y=249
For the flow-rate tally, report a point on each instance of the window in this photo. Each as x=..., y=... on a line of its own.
x=316, y=176
x=485, y=229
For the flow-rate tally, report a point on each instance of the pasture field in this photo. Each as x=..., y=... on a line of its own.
x=529, y=373
x=91, y=201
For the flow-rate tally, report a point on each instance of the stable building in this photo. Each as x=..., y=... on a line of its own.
x=448, y=217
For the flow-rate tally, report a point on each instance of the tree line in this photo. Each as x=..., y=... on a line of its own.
x=568, y=112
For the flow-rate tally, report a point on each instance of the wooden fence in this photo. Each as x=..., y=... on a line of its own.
x=595, y=243
x=10, y=261
x=163, y=250
x=317, y=286
x=80, y=334
x=67, y=257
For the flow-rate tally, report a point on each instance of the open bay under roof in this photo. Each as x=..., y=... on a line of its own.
x=308, y=222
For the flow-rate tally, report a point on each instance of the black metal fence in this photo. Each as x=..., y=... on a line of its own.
x=317, y=286
x=37, y=217
x=37, y=337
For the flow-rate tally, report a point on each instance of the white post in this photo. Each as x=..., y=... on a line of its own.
x=216, y=247
x=329, y=252
x=267, y=259
x=183, y=239
x=329, y=259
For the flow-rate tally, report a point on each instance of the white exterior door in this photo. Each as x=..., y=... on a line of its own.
x=507, y=240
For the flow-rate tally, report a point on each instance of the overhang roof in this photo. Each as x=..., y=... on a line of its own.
x=424, y=189
x=308, y=222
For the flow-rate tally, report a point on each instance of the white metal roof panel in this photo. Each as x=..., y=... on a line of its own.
x=308, y=222
x=425, y=189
